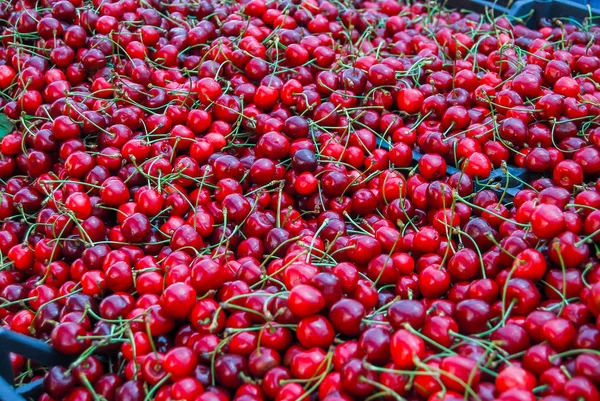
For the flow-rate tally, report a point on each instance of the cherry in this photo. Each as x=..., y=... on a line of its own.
x=567, y=174
x=107, y=385
x=363, y=248
x=512, y=338
x=289, y=392
x=180, y=362
x=353, y=376
x=69, y=338
x=178, y=300
x=346, y=316
x=478, y=231
x=375, y=345
x=90, y=370
x=580, y=388
x=272, y=381
x=540, y=358
x=329, y=286
x=434, y=282
x=547, y=221
x=315, y=331
x=116, y=305
x=262, y=360
x=472, y=315
x=515, y=377
x=432, y=166
x=131, y=390
x=405, y=348
x=305, y=300
x=464, y=265
x=59, y=382
x=529, y=264
x=307, y=364
x=461, y=371
x=568, y=248
x=560, y=333
x=410, y=100
x=228, y=370
x=407, y=311
x=187, y=388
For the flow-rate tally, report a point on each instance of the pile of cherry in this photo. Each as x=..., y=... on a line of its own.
x=213, y=200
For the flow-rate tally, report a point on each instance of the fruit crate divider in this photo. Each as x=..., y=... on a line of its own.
x=532, y=10
x=496, y=176
x=37, y=350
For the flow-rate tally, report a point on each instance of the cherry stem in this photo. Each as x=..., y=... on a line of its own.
x=573, y=352
x=385, y=390
x=588, y=238
x=150, y=395
x=409, y=328
x=505, y=315
x=315, y=236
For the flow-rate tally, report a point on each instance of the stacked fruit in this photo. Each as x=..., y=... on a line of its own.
x=288, y=200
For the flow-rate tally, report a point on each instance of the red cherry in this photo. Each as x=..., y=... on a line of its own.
x=180, y=362
x=405, y=348
x=547, y=221
x=461, y=372
x=315, y=331
x=410, y=100
x=178, y=300
x=305, y=300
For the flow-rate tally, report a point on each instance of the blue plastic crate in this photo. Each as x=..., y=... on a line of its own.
x=532, y=11
x=34, y=349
